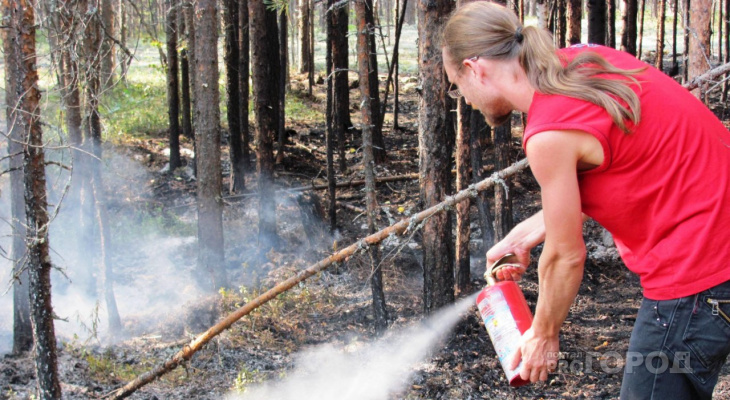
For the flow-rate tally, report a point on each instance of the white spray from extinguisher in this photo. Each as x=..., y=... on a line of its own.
x=506, y=316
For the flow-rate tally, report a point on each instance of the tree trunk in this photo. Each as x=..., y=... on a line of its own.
x=173, y=91
x=281, y=119
x=463, y=179
x=699, y=42
x=611, y=39
x=123, y=62
x=686, y=53
x=232, y=59
x=19, y=38
x=374, y=87
x=479, y=130
x=211, y=260
x=265, y=59
x=189, y=11
x=243, y=77
x=367, y=108
x=186, y=105
x=541, y=9
x=307, y=61
x=435, y=133
x=597, y=21
x=561, y=23
x=331, y=179
x=575, y=15
x=642, y=14
x=12, y=40
x=340, y=56
x=659, y=64
x=107, y=45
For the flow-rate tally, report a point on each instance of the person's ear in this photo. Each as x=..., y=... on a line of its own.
x=471, y=64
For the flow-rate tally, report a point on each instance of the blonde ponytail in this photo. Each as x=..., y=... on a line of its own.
x=491, y=31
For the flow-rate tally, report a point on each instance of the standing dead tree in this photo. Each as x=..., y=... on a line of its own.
x=24, y=114
x=407, y=225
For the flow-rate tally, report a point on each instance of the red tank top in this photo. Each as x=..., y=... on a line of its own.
x=663, y=191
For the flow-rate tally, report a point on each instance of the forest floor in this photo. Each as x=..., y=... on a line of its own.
x=333, y=308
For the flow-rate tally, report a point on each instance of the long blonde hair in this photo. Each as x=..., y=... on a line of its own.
x=491, y=31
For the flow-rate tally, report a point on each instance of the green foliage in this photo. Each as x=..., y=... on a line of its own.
x=245, y=378
x=143, y=222
x=299, y=110
x=137, y=108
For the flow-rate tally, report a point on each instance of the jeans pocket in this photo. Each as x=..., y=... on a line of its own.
x=707, y=334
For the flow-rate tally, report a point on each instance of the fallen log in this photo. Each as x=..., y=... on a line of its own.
x=401, y=227
x=695, y=82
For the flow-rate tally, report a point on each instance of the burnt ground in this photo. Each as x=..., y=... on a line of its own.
x=334, y=306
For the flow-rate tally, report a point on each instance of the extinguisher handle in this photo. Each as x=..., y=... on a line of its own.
x=491, y=274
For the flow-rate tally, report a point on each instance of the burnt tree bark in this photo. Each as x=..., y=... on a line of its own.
x=265, y=60
x=575, y=15
x=662, y=6
x=243, y=76
x=283, y=76
x=374, y=86
x=699, y=42
x=596, y=21
x=173, y=86
x=207, y=136
x=367, y=108
x=331, y=179
x=232, y=59
x=435, y=136
x=24, y=112
x=13, y=56
x=340, y=57
x=480, y=130
x=186, y=104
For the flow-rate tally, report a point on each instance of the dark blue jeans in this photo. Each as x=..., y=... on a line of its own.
x=678, y=346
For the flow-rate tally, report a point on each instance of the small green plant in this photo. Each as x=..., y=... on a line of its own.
x=245, y=378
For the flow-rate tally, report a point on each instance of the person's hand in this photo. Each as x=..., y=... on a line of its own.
x=539, y=356
x=517, y=263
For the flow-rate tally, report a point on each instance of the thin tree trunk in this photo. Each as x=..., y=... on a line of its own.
x=243, y=77
x=611, y=40
x=479, y=130
x=340, y=58
x=597, y=21
x=699, y=42
x=306, y=21
x=24, y=113
x=211, y=260
x=107, y=49
x=396, y=63
x=641, y=29
x=659, y=64
x=727, y=48
x=123, y=39
x=280, y=127
x=173, y=91
x=374, y=85
x=107, y=272
x=687, y=34
x=463, y=179
x=232, y=59
x=12, y=40
x=189, y=11
x=265, y=59
x=435, y=132
x=331, y=179
x=575, y=15
x=367, y=108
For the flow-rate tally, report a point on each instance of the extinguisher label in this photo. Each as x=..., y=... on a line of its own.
x=502, y=329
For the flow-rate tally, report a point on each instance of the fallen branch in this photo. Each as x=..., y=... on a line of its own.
x=398, y=228
x=707, y=76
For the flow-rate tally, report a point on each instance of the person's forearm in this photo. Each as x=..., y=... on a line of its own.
x=559, y=278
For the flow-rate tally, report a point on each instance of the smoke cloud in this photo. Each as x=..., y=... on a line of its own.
x=370, y=371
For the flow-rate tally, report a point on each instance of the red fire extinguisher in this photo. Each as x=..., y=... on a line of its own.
x=506, y=315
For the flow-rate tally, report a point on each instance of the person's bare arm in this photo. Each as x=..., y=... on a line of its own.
x=553, y=158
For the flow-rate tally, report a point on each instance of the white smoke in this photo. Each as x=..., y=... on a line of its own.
x=371, y=371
